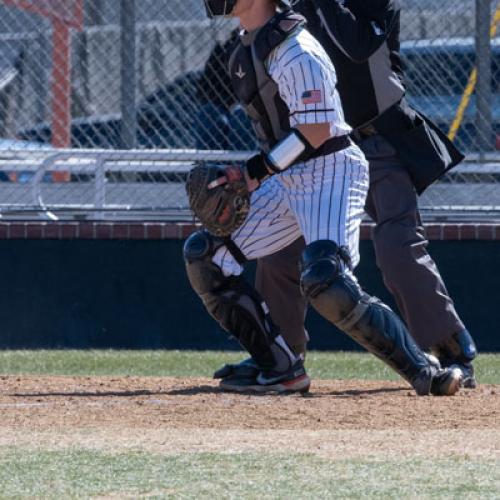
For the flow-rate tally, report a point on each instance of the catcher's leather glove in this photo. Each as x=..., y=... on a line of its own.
x=219, y=197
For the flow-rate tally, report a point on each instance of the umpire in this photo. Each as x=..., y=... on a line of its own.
x=407, y=153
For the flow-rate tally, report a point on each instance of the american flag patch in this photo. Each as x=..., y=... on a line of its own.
x=311, y=97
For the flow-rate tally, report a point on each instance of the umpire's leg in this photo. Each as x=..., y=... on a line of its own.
x=277, y=281
x=401, y=249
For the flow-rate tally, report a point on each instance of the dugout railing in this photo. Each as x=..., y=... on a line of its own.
x=149, y=185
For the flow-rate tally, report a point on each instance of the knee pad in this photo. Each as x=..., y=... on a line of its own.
x=219, y=293
x=320, y=266
x=203, y=274
x=216, y=291
x=331, y=291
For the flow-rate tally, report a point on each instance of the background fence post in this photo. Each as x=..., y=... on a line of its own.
x=128, y=74
x=94, y=13
x=484, y=124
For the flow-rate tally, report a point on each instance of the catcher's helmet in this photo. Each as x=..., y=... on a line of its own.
x=219, y=7
x=225, y=7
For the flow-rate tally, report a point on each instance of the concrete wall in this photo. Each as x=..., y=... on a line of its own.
x=135, y=294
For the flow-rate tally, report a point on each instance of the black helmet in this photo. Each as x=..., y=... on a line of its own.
x=219, y=7
x=225, y=7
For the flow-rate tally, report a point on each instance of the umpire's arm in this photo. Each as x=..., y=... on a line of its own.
x=358, y=36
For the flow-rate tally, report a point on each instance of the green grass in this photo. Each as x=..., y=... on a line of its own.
x=86, y=473
x=321, y=365
x=216, y=475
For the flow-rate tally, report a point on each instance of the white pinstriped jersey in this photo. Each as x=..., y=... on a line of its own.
x=322, y=198
x=307, y=82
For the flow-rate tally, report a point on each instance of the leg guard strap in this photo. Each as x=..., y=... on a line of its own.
x=355, y=315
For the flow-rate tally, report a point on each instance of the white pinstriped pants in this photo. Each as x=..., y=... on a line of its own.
x=322, y=199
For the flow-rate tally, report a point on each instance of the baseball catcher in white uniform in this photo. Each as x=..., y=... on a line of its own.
x=309, y=180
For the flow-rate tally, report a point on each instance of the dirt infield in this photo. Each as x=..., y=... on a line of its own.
x=168, y=415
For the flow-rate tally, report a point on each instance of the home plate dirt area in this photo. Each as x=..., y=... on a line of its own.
x=338, y=418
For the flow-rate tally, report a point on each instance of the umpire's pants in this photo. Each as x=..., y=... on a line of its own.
x=401, y=252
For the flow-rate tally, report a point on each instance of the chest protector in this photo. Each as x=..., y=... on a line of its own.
x=257, y=92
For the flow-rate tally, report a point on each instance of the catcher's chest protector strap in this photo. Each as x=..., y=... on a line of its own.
x=235, y=251
x=257, y=92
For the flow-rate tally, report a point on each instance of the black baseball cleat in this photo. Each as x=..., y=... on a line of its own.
x=248, y=368
x=293, y=380
x=446, y=382
x=437, y=381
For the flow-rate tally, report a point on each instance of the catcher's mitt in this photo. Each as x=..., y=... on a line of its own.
x=219, y=197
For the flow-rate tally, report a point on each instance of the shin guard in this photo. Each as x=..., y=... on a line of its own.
x=337, y=296
x=235, y=305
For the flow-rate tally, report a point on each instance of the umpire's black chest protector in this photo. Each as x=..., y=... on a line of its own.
x=257, y=92
x=372, y=91
x=366, y=88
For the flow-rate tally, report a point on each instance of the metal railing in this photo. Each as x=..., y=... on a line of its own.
x=100, y=184
x=103, y=184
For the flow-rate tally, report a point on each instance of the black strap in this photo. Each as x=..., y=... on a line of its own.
x=345, y=255
x=333, y=145
x=235, y=251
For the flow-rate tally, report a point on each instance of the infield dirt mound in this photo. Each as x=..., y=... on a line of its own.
x=170, y=415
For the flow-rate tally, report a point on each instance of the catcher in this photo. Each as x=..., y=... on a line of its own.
x=309, y=180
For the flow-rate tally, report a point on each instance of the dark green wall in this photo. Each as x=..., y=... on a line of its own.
x=134, y=294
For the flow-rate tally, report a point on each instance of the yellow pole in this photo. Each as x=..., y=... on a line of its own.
x=471, y=85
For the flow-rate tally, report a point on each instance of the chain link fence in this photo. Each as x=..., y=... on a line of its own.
x=139, y=76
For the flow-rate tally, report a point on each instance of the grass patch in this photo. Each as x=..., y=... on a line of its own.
x=321, y=365
x=82, y=473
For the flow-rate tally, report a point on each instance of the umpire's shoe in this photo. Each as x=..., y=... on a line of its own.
x=293, y=380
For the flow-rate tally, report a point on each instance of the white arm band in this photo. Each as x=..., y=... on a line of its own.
x=286, y=152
